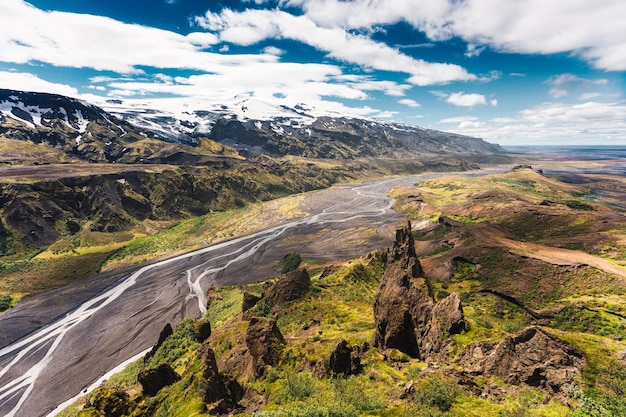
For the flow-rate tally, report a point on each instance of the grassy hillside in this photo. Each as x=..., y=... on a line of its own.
x=520, y=249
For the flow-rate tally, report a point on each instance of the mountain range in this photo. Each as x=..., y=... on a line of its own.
x=121, y=132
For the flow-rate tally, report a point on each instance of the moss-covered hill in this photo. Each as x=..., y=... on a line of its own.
x=306, y=344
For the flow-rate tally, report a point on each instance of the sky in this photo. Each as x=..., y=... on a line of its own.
x=522, y=72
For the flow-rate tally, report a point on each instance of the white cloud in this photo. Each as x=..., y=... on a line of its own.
x=272, y=50
x=474, y=50
x=563, y=83
x=459, y=119
x=408, y=102
x=466, y=100
x=493, y=102
x=278, y=83
x=550, y=123
x=251, y=26
x=592, y=29
x=30, y=82
x=86, y=41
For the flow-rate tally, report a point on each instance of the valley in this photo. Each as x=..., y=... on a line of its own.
x=531, y=276
x=133, y=310
x=119, y=224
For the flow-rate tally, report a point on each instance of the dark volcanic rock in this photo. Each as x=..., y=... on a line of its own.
x=249, y=301
x=202, y=330
x=345, y=360
x=154, y=379
x=533, y=357
x=406, y=315
x=221, y=392
x=291, y=286
x=216, y=389
x=265, y=343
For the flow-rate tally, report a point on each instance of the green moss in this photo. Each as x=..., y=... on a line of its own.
x=291, y=262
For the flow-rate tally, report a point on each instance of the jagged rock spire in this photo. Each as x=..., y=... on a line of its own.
x=407, y=317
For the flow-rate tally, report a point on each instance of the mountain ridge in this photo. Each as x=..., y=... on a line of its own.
x=110, y=133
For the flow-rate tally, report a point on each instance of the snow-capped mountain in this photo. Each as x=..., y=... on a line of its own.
x=254, y=126
x=113, y=130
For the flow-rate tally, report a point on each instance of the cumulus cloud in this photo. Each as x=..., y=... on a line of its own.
x=466, y=100
x=30, y=82
x=86, y=41
x=592, y=29
x=408, y=102
x=252, y=26
x=279, y=83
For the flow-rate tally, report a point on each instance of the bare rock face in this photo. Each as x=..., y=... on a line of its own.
x=407, y=317
x=265, y=343
x=221, y=394
x=249, y=301
x=291, y=286
x=153, y=380
x=533, y=357
x=215, y=386
x=202, y=330
x=344, y=359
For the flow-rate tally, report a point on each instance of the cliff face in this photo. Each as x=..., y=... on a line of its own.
x=407, y=316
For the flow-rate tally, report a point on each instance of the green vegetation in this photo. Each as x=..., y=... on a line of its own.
x=291, y=262
x=5, y=302
x=181, y=342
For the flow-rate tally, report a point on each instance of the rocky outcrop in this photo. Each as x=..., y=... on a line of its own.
x=407, y=317
x=154, y=379
x=249, y=301
x=202, y=330
x=165, y=333
x=220, y=394
x=344, y=359
x=289, y=287
x=265, y=343
x=532, y=357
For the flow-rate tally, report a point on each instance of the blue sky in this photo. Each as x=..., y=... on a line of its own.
x=524, y=72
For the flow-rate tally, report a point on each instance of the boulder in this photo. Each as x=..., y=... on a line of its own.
x=249, y=301
x=319, y=369
x=154, y=379
x=407, y=317
x=532, y=357
x=202, y=330
x=345, y=360
x=289, y=287
x=265, y=343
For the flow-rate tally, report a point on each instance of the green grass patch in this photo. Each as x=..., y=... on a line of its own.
x=227, y=304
